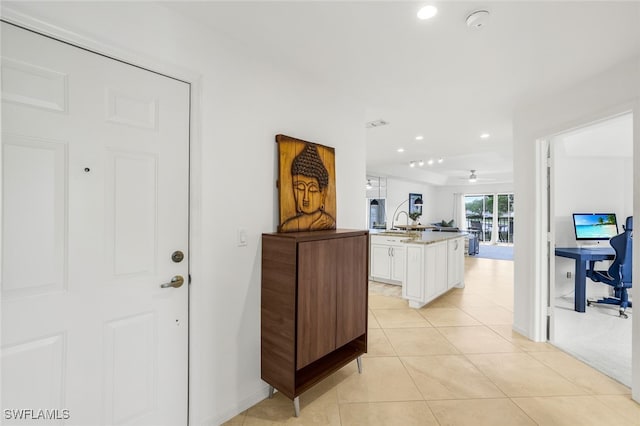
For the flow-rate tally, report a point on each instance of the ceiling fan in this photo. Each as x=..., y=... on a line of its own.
x=473, y=177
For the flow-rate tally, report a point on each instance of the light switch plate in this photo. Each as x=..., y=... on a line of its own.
x=242, y=237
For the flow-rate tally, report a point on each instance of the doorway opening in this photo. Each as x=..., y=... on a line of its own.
x=589, y=169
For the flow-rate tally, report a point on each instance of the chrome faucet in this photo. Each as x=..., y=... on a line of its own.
x=406, y=214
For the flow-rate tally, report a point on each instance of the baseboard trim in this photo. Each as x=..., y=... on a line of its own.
x=240, y=406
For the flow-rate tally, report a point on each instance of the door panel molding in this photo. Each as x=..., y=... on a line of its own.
x=140, y=187
x=163, y=66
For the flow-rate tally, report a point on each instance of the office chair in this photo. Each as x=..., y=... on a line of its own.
x=619, y=274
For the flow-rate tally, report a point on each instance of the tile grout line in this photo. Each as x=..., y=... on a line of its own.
x=489, y=378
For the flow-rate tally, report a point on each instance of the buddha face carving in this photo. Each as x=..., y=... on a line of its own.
x=309, y=184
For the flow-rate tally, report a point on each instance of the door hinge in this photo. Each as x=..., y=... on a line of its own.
x=189, y=281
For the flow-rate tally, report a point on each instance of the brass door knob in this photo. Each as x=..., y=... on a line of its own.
x=175, y=282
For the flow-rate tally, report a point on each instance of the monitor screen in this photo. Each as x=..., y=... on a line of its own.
x=595, y=226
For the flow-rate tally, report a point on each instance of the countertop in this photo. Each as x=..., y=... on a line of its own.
x=427, y=237
x=415, y=227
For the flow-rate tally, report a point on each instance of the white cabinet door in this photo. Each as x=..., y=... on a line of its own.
x=435, y=275
x=380, y=261
x=95, y=201
x=455, y=262
x=397, y=263
x=441, y=267
x=430, y=271
x=413, y=287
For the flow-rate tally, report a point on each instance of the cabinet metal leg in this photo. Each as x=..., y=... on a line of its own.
x=359, y=361
x=270, y=391
x=296, y=405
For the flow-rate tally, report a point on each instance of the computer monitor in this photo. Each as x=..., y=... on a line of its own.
x=595, y=226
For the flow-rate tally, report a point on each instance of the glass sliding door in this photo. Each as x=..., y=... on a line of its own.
x=487, y=217
x=474, y=207
x=505, y=218
x=490, y=216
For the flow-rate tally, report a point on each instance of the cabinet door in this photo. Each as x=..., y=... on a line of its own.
x=351, y=288
x=435, y=269
x=413, y=287
x=455, y=260
x=397, y=263
x=441, y=267
x=316, y=300
x=380, y=261
x=430, y=271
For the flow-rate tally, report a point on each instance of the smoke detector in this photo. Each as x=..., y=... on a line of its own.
x=478, y=19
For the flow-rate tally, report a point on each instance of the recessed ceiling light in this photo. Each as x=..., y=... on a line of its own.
x=485, y=136
x=420, y=163
x=430, y=162
x=427, y=12
x=412, y=163
x=419, y=137
x=400, y=149
x=440, y=160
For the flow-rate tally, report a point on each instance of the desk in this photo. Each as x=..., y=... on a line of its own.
x=582, y=256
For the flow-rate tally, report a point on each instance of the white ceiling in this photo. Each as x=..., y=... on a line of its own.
x=435, y=78
x=608, y=138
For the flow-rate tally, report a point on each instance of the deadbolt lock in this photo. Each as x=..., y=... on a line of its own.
x=177, y=256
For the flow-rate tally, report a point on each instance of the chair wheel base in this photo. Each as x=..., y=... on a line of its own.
x=612, y=301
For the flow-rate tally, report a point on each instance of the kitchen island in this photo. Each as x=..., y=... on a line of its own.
x=425, y=264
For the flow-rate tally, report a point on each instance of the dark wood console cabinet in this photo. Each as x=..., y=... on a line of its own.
x=313, y=307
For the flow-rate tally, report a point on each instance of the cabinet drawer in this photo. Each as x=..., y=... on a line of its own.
x=387, y=239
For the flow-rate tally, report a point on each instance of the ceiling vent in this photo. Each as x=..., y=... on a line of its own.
x=478, y=19
x=376, y=123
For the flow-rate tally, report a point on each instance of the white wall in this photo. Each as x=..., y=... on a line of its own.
x=398, y=191
x=444, y=197
x=586, y=184
x=241, y=105
x=612, y=92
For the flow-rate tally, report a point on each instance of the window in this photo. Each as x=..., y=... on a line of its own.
x=376, y=202
x=505, y=218
x=377, y=219
x=480, y=216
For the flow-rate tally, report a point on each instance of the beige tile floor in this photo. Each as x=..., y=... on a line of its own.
x=455, y=362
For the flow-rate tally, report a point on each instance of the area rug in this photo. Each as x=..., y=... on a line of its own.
x=598, y=337
x=488, y=251
x=385, y=289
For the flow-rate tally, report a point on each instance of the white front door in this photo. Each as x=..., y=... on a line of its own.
x=95, y=202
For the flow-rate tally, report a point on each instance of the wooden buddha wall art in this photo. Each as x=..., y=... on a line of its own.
x=306, y=185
